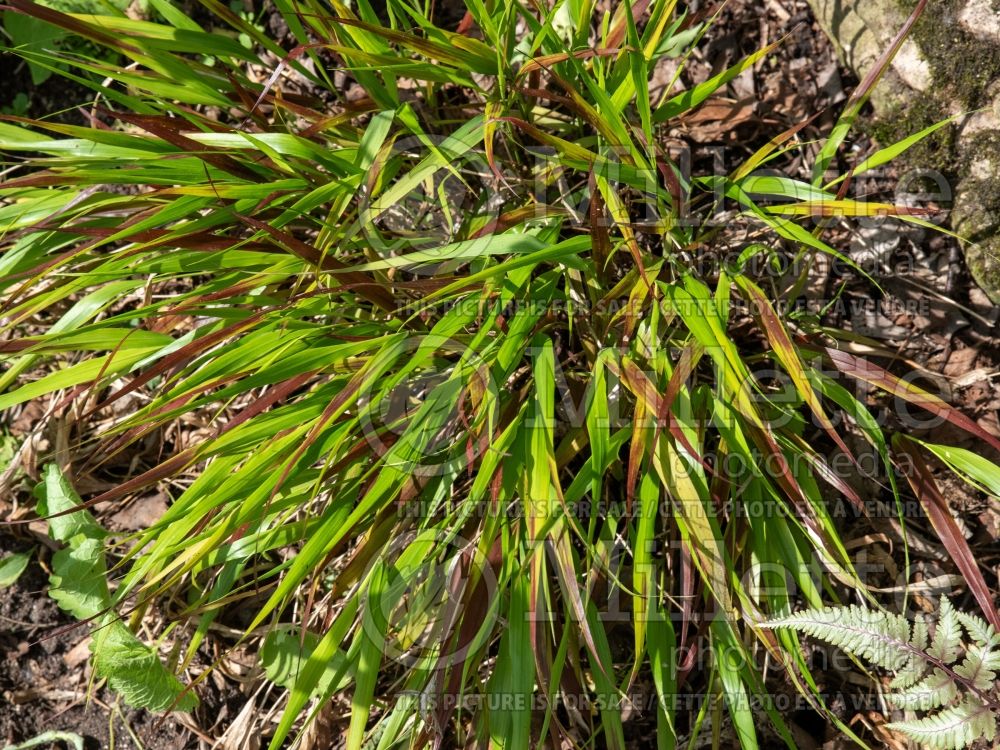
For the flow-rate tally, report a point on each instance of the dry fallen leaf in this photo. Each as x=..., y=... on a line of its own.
x=321, y=732
x=79, y=654
x=141, y=513
x=717, y=119
x=242, y=734
x=977, y=375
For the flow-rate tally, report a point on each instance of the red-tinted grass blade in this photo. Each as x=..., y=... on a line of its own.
x=861, y=369
x=936, y=507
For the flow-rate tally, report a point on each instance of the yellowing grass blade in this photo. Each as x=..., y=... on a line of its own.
x=696, y=516
x=788, y=355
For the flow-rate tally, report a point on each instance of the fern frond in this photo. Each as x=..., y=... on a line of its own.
x=979, y=630
x=921, y=634
x=927, y=676
x=916, y=670
x=947, y=635
x=975, y=667
x=935, y=690
x=953, y=728
x=881, y=638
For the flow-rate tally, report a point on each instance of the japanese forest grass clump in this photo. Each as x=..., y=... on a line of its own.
x=470, y=379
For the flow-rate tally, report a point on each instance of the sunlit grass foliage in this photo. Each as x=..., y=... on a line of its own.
x=495, y=398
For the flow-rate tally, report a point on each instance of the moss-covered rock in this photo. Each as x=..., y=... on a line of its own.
x=950, y=65
x=900, y=119
x=964, y=59
x=977, y=212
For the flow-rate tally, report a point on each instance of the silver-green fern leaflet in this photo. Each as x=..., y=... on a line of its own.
x=949, y=675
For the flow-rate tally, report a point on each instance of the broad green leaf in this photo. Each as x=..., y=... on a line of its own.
x=12, y=566
x=78, y=583
x=283, y=656
x=135, y=672
x=56, y=497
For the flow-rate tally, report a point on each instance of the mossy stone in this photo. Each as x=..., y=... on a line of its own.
x=983, y=261
x=965, y=75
